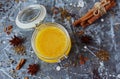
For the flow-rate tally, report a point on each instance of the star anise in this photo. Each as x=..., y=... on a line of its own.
x=33, y=69
x=103, y=55
x=15, y=41
x=86, y=39
x=20, y=49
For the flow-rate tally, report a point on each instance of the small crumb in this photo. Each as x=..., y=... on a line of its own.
x=70, y=3
x=66, y=65
x=118, y=75
x=11, y=61
x=3, y=42
x=17, y=1
x=26, y=78
x=83, y=59
x=39, y=77
x=85, y=47
x=58, y=68
x=0, y=64
x=101, y=63
x=74, y=5
x=68, y=18
x=12, y=71
x=80, y=4
x=32, y=51
x=110, y=75
x=81, y=32
x=32, y=56
x=102, y=20
x=115, y=76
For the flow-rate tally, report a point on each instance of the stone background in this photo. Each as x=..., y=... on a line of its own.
x=106, y=36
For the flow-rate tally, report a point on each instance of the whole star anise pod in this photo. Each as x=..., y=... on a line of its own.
x=33, y=69
x=103, y=55
x=15, y=41
x=86, y=39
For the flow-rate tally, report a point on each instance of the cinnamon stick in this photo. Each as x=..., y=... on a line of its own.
x=84, y=24
x=89, y=14
x=85, y=17
x=108, y=7
x=89, y=17
x=76, y=22
x=20, y=64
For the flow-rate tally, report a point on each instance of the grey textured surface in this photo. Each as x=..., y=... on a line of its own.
x=106, y=36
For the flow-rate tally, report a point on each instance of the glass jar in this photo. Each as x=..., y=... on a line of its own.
x=32, y=17
x=62, y=54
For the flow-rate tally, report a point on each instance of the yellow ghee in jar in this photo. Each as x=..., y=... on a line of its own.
x=51, y=42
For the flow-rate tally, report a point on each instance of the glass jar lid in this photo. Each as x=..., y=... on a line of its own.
x=30, y=16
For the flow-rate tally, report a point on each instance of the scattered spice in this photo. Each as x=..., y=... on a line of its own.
x=117, y=27
x=20, y=49
x=17, y=1
x=81, y=32
x=96, y=74
x=64, y=14
x=8, y=29
x=33, y=69
x=20, y=64
x=73, y=41
x=5, y=6
x=26, y=78
x=75, y=60
x=103, y=55
x=55, y=10
x=83, y=59
x=86, y=39
x=66, y=65
x=12, y=71
x=1, y=4
x=15, y=41
x=74, y=63
x=11, y=61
